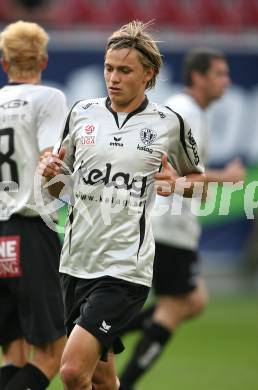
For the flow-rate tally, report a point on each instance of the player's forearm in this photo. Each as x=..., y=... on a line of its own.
x=215, y=175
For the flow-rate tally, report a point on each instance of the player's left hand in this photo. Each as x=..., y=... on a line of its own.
x=166, y=178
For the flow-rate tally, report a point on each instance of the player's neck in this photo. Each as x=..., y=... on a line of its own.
x=128, y=106
x=198, y=96
x=25, y=80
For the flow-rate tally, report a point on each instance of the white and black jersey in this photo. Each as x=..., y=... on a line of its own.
x=183, y=230
x=112, y=159
x=31, y=118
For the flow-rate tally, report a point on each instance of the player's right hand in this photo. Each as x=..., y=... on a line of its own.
x=234, y=171
x=49, y=163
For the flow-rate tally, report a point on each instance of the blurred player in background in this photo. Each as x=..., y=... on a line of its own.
x=30, y=293
x=114, y=148
x=177, y=283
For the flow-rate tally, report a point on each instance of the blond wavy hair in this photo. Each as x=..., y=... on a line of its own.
x=24, y=47
x=134, y=35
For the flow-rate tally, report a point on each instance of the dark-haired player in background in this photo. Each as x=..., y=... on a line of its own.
x=177, y=283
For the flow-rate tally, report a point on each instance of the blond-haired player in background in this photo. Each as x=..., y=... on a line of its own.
x=30, y=294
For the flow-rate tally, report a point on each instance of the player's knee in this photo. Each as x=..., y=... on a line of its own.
x=106, y=384
x=103, y=381
x=197, y=301
x=72, y=378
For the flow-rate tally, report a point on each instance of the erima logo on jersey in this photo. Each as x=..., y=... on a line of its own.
x=16, y=103
x=194, y=147
x=148, y=136
x=118, y=180
x=117, y=142
x=104, y=327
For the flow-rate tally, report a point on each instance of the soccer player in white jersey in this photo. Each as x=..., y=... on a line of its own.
x=180, y=290
x=30, y=294
x=114, y=148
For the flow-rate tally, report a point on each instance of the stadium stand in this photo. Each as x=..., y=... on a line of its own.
x=184, y=15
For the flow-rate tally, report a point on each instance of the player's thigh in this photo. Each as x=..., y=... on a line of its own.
x=81, y=354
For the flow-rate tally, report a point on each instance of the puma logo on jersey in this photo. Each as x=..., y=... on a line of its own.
x=104, y=327
x=16, y=103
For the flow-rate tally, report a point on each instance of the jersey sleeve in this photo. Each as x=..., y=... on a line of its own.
x=66, y=141
x=184, y=154
x=51, y=115
x=194, y=118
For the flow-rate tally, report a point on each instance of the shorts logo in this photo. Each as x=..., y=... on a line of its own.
x=10, y=257
x=104, y=327
x=148, y=136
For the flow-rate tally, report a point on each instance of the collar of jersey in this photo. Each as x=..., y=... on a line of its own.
x=141, y=108
x=16, y=83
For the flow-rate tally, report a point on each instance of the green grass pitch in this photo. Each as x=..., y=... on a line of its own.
x=217, y=351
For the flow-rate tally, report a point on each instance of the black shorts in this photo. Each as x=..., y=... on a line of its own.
x=176, y=270
x=30, y=292
x=102, y=306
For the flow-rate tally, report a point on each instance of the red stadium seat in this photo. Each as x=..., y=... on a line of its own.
x=97, y=12
x=144, y=10
x=223, y=14
x=251, y=14
x=182, y=14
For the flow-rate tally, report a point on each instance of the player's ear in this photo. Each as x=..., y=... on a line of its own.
x=197, y=78
x=149, y=73
x=43, y=63
x=5, y=64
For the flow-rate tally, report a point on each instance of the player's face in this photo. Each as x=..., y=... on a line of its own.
x=217, y=79
x=125, y=78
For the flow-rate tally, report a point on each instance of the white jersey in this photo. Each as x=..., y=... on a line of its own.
x=183, y=230
x=31, y=119
x=113, y=158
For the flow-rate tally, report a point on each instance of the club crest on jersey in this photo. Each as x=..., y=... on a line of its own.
x=148, y=136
